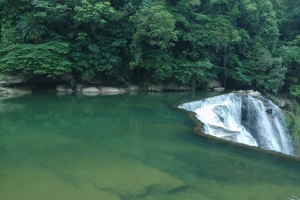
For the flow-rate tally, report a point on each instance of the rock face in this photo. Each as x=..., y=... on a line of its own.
x=281, y=101
x=8, y=79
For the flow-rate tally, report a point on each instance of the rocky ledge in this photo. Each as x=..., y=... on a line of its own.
x=95, y=89
x=98, y=89
x=281, y=101
x=252, y=93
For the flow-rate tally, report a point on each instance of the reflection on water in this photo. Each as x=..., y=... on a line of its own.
x=128, y=147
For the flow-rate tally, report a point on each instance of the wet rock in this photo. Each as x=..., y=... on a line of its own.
x=111, y=90
x=269, y=110
x=240, y=92
x=102, y=90
x=63, y=88
x=266, y=102
x=281, y=103
x=90, y=90
x=249, y=92
x=288, y=105
x=16, y=91
x=255, y=94
x=9, y=79
x=220, y=89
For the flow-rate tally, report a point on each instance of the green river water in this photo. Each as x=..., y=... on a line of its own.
x=131, y=146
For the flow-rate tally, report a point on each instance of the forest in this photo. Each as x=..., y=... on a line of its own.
x=253, y=43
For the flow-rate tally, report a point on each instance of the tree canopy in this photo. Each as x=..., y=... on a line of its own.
x=248, y=42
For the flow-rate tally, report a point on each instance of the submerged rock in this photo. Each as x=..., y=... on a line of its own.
x=115, y=176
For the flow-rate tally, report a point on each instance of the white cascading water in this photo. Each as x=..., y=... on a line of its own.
x=222, y=117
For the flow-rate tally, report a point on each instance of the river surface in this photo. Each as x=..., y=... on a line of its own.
x=128, y=147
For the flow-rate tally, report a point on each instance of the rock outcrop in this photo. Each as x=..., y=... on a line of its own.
x=9, y=79
x=281, y=101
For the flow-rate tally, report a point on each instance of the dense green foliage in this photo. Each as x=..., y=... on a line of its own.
x=293, y=122
x=249, y=42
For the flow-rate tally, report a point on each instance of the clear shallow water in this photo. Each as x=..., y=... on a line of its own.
x=128, y=147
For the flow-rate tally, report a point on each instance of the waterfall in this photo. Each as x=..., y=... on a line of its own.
x=243, y=119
